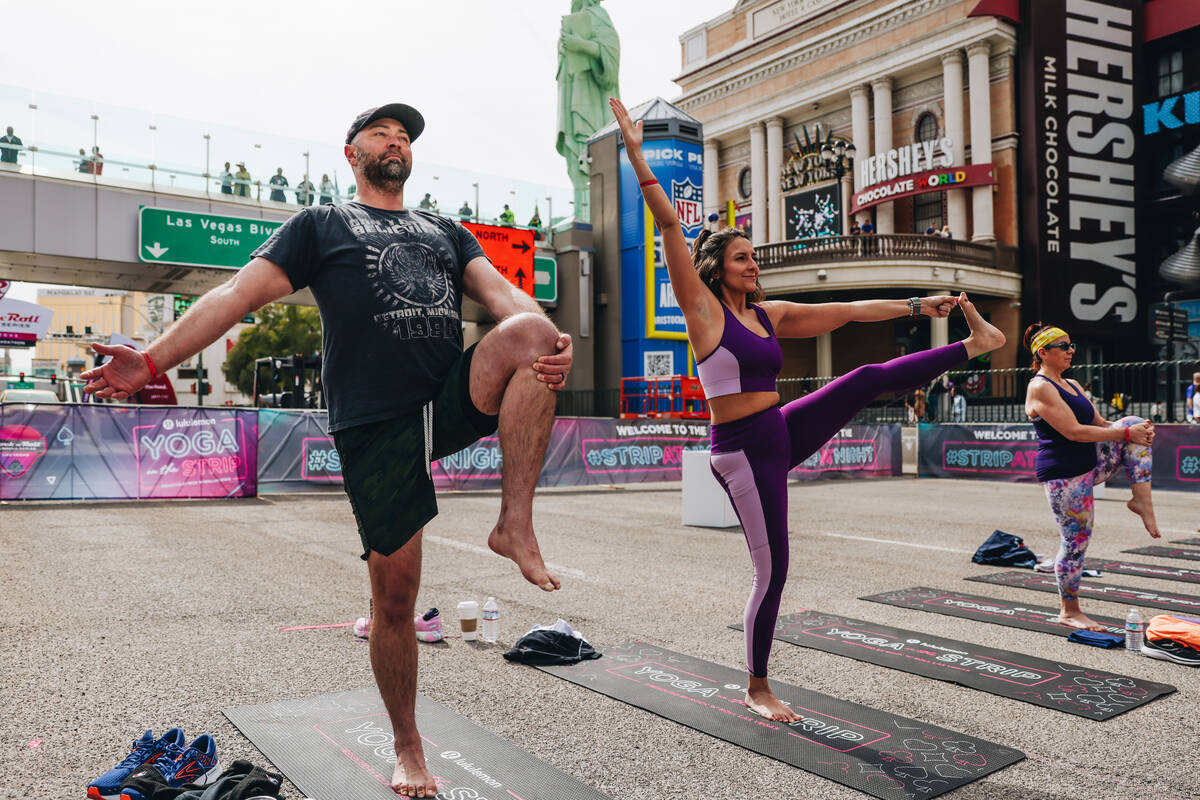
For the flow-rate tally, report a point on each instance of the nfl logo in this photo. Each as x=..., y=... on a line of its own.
x=687, y=197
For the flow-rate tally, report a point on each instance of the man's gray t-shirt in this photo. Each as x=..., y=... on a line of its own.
x=389, y=288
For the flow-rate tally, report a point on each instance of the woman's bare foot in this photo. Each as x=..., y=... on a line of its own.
x=412, y=778
x=1145, y=509
x=520, y=545
x=762, y=701
x=985, y=337
x=1077, y=619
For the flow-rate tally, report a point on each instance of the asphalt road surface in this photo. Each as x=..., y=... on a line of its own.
x=124, y=616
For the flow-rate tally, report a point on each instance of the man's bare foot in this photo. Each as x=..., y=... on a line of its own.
x=1079, y=620
x=984, y=337
x=521, y=547
x=1145, y=510
x=412, y=778
x=764, y=703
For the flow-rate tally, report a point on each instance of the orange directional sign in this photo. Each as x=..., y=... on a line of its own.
x=510, y=250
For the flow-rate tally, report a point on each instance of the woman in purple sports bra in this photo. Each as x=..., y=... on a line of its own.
x=754, y=441
x=1078, y=448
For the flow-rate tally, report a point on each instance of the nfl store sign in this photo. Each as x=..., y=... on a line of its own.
x=1081, y=76
x=652, y=324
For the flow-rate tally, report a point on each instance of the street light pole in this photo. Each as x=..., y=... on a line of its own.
x=476, y=185
x=207, y=163
x=837, y=158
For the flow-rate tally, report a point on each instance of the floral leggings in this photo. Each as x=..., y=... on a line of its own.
x=1073, y=506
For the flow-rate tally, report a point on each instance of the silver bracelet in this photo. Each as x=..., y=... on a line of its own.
x=914, y=306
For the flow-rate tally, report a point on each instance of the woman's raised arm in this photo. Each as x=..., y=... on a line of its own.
x=693, y=296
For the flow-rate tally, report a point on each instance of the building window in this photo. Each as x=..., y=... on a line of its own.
x=744, y=185
x=927, y=127
x=927, y=211
x=1170, y=73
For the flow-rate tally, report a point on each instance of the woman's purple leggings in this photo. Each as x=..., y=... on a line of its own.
x=751, y=458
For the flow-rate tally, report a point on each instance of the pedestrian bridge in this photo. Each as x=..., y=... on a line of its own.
x=83, y=231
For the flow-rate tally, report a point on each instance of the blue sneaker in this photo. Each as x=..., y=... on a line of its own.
x=197, y=765
x=145, y=750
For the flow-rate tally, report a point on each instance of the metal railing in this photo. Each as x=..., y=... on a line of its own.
x=885, y=247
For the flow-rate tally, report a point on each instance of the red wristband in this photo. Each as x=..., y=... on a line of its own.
x=650, y=182
x=150, y=364
x=1127, y=434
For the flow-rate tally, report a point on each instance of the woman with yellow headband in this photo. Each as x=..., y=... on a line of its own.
x=1077, y=449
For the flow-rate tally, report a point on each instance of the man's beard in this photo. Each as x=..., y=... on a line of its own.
x=384, y=176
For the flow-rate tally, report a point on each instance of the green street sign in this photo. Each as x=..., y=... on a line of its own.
x=21, y=385
x=196, y=239
x=545, y=279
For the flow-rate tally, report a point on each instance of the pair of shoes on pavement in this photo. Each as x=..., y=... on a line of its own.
x=1171, y=650
x=427, y=625
x=168, y=757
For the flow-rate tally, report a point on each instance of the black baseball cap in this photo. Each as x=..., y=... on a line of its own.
x=408, y=116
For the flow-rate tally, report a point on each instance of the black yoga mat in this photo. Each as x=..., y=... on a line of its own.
x=1128, y=595
x=1144, y=570
x=881, y=754
x=1187, y=553
x=1085, y=692
x=1194, y=541
x=986, y=609
x=339, y=746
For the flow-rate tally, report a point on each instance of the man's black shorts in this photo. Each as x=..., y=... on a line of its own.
x=384, y=463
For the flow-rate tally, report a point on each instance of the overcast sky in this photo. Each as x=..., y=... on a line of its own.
x=482, y=73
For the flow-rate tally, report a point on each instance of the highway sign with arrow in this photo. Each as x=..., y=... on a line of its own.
x=545, y=279
x=510, y=251
x=188, y=238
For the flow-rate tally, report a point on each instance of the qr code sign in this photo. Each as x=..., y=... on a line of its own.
x=658, y=364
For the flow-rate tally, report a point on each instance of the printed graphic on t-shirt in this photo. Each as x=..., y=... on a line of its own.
x=412, y=277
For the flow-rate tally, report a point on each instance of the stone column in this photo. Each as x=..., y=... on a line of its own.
x=882, y=89
x=981, y=138
x=860, y=132
x=952, y=80
x=758, y=184
x=712, y=200
x=774, y=170
x=824, y=356
x=939, y=329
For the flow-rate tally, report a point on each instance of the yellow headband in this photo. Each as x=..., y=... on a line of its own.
x=1045, y=337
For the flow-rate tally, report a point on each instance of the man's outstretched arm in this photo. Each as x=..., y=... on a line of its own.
x=256, y=284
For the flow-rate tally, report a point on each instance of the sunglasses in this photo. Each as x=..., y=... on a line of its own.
x=1064, y=346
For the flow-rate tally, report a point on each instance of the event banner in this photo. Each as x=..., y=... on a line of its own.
x=296, y=452
x=77, y=452
x=856, y=451
x=1008, y=452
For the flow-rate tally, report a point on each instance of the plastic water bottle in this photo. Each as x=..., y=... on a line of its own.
x=1133, y=631
x=491, y=621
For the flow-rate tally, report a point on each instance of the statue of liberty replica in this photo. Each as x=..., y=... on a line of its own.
x=588, y=59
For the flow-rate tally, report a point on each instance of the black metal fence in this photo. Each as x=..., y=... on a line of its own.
x=1151, y=389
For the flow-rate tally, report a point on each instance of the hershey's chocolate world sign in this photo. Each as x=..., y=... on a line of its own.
x=1081, y=73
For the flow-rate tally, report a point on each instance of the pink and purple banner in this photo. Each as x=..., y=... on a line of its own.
x=1008, y=452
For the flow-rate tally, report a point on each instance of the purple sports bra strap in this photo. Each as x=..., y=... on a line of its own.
x=764, y=319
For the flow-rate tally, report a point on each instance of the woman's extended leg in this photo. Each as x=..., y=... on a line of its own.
x=813, y=419
x=749, y=459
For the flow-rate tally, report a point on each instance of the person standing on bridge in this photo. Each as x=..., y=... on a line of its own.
x=10, y=145
x=278, y=182
x=226, y=180
x=389, y=283
x=241, y=179
x=755, y=443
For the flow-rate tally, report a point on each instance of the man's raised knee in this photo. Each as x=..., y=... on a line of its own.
x=529, y=331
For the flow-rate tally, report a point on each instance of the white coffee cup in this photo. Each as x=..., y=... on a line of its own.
x=468, y=620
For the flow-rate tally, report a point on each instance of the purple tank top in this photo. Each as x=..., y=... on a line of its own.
x=1058, y=456
x=743, y=360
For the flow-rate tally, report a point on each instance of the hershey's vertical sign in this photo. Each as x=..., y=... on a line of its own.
x=1080, y=80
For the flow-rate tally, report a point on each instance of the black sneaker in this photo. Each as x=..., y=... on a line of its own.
x=1170, y=650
